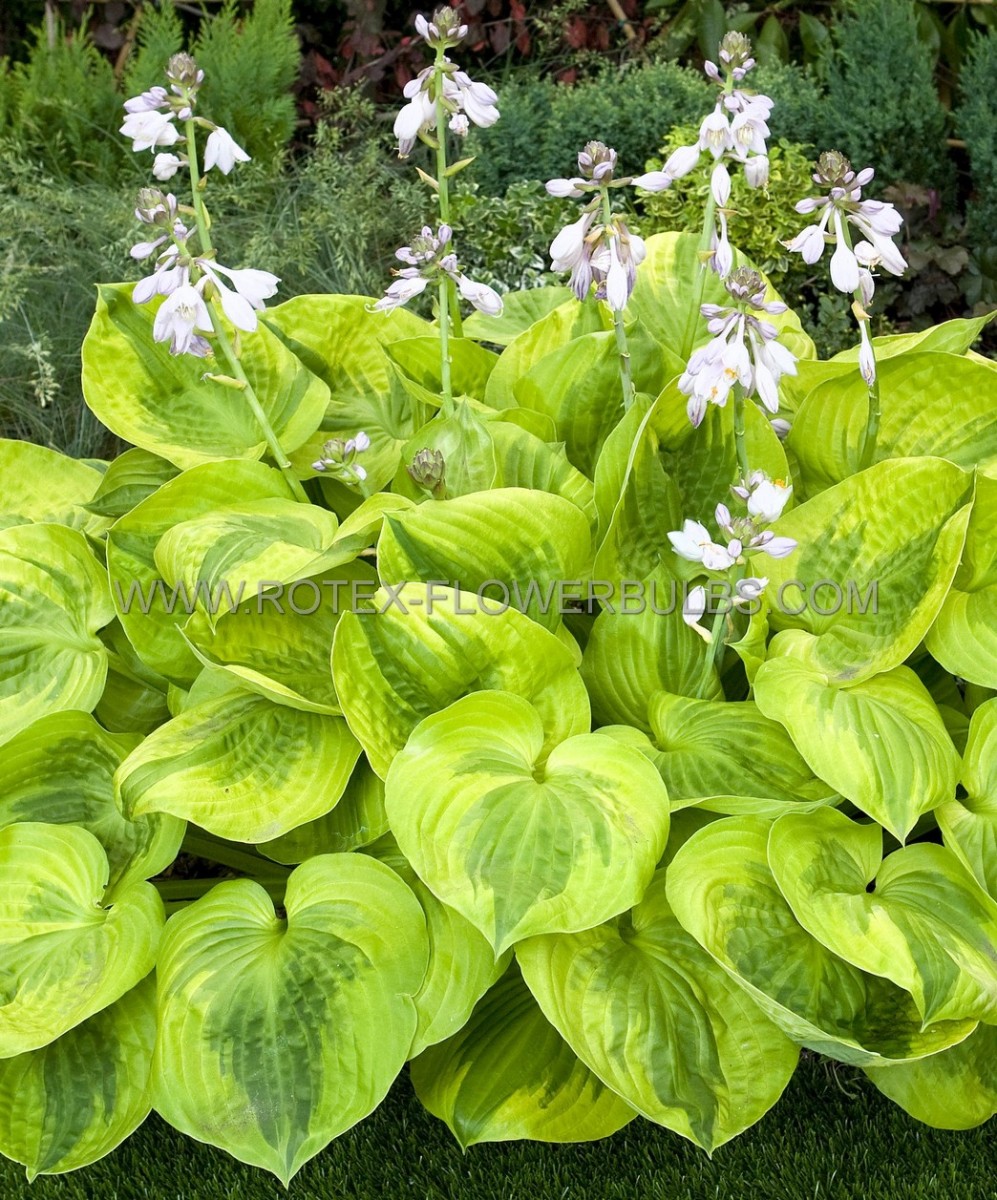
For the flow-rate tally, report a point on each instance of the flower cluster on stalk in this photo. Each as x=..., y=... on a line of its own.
x=597, y=248
x=339, y=459
x=186, y=278
x=429, y=257
x=744, y=350
x=464, y=101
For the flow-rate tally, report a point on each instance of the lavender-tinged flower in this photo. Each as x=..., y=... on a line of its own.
x=877, y=222
x=222, y=151
x=746, y=537
x=240, y=301
x=678, y=164
x=154, y=98
x=693, y=608
x=445, y=29
x=694, y=543
x=459, y=125
x=149, y=128
x=428, y=257
x=743, y=351
x=476, y=100
x=571, y=251
x=418, y=116
x=485, y=299
x=339, y=459
x=750, y=589
x=867, y=356
x=181, y=314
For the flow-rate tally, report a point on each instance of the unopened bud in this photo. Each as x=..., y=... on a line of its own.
x=597, y=161
x=182, y=70
x=746, y=285
x=735, y=49
x=154, y=207
x=833, y=168
x=428, y=471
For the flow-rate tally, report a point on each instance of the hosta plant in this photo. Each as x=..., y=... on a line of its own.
x=589, y=700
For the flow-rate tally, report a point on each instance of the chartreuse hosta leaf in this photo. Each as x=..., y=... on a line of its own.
x=950, y=337
x=342, y=344
x=357, y=819
x=276, y=1035
x=931, y=404
x=918, y=918
x=151, y=612
x=964, y=635
x=60, y=770
x=721, y=889
x=508, y=1074
x=63, y=955
x=129, y=479
x=729, y=758
x=423, y=647
x=519, y=837
x=969, y=825
x=520, y=310
x=642, y=646
x=134, y=696
x=876, y=557
x=53, y=600
x=649, y=1011
x=160, y=401
x=462, y=966
x=67, y=1104
x=956, y=1089
x=417, y=360
x=40, y=484
x=881, y=743
x=521, y=543
x=241, y=766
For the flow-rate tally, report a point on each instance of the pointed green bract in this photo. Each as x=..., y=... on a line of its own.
x=67, y=1104
x=964, y=635
x=917, y=918
x=275, y=1035
x=969, y=825
x=160, y=402
x=519, y=839
x=876, y=557
x=508, y=1074
x=647, y=1009
x=511, y=545
x=423, y=647
x=42, y=485
x=721, y=889
x=53, y=600
x=730, y=758
x=880, y=743
x=956, y=1089
x=462, y=966
x=60, y=770
x=241, y=766
x=64, y=955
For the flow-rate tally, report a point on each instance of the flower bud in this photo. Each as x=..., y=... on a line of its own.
x=833, y=169
x=155, y=208
x=182, y=70
x=428, y=471
x=735, y=49
x=597, y=161
x=746, y=285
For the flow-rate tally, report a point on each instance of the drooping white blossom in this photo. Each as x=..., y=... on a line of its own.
x=179, y=318
x=150, y=128
x=694, y=543
x=430, y=256
x=222, y=151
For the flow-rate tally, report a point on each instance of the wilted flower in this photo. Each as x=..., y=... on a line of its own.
x=876, y=220
x=429, y=256
x=222, y=151
x=428, y=471
x=744, y=350
x=339, y=459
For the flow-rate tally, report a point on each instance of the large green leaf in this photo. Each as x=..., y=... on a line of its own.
x=636, y=650
x=721, y=889
x=423, y=647
x=969, y=825
x=342, y=343
x=151, y=612
x=520, y=838
x=671, y=284
x=65, y=951
x=729, y=758
x=69, y=1103
x=880, y=743
x=134, y=699
x=964, y=635
x=462, y=966
x=956, y=1089
x=932, y=404
x=876, y=557
x=949, y=337
x=160, y=402
x=419, y=362
x=511, y=545
x=276, y=1035
x=241, y=766
x=53, y=600
x=60, y=770
x=40, y=484
x=918, y=918
x=520, y=310
x=648, y=1010
x=508, y=1074
x=131, y=478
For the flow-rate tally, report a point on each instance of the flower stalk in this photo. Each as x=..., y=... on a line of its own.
x=622, y=345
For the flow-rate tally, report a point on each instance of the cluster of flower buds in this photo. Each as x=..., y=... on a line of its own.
x=150, y=118
x=339, y=459
x=429, y=256
x=605, y=252
x=744, y=350
x=428, y=470
x=877, y=221
x=463, y=100
x=185, y=278
x=735, y=132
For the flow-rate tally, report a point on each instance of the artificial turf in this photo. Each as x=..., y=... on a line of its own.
x=831, y=1137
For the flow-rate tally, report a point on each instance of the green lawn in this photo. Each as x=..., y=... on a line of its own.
x=832, y=1137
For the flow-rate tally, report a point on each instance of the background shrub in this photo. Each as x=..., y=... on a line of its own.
x=977, y=123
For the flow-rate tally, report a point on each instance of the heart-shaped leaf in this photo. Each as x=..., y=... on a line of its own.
x=969, y=825
x=68, y=486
